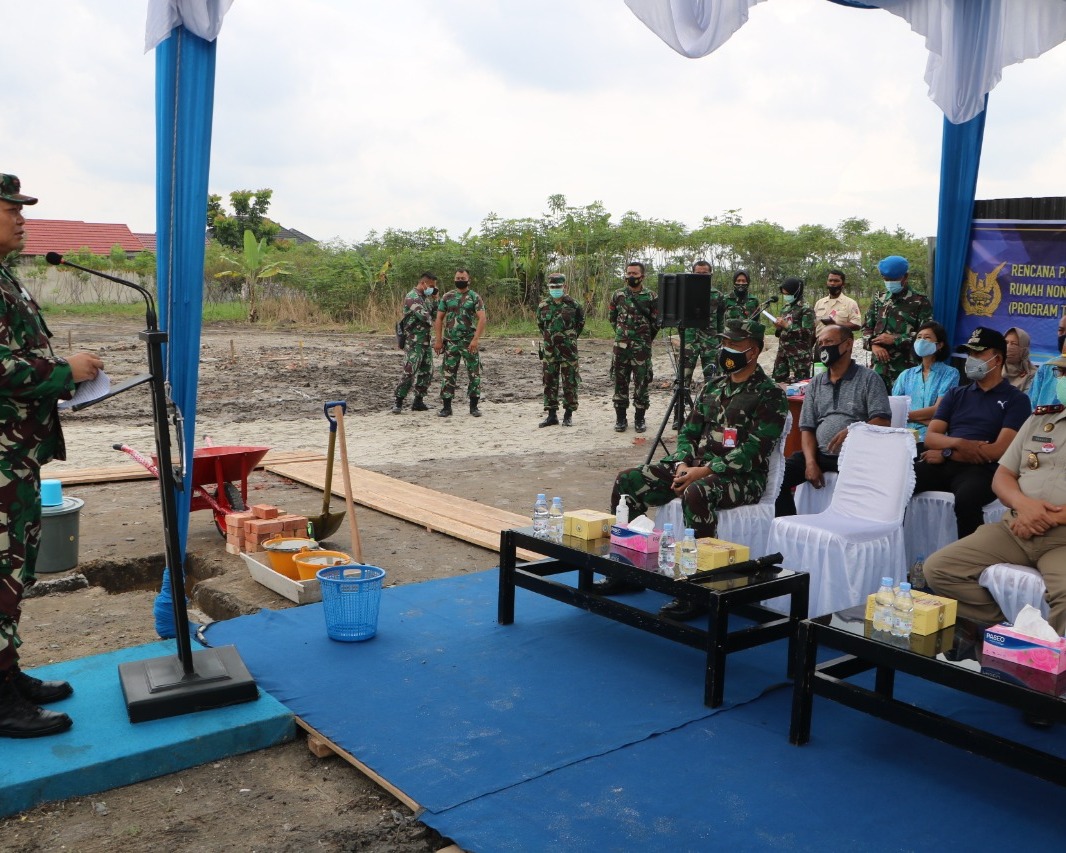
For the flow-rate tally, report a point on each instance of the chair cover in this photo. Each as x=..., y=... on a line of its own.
x=1013, y=587
x=859, y=539
x=745, y=525
x=811, y=501
x=930, y=523
x=901, y=406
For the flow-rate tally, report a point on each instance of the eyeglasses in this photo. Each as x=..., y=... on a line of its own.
x=1058, y=372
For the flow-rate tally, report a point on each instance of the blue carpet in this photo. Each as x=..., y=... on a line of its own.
x=105, y=750
x=566, y=731
x=449, y=706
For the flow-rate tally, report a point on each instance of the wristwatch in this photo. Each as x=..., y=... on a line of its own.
x=946, y=452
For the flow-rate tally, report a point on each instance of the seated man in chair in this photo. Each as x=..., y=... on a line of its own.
x=1031, y=480
x=723, y=450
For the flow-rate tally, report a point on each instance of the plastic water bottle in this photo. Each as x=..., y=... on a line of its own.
x=884, y=601
x=667, y=551
x=689, y=557
x=903, y=612
x=555, y=521
x=621, y=512
x=540, y=517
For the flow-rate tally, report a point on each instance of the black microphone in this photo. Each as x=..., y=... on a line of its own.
x=57, y=259
x=748, y=567
x=762, y=305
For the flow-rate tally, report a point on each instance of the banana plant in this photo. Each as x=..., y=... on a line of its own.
x=252, y=266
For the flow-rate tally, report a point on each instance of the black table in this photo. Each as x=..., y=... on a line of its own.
x=731, y=593
x=950, y=657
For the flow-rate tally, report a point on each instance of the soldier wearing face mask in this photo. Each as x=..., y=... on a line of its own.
x=739, y=303
x=419, y=312
x=971, y=429
x=634, y=315
x=560, y=320
x=795, y=335
x=457, y=330
x=893, y=319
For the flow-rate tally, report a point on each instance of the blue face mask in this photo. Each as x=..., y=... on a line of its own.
x=894, y=287
x=923, y=347
x=429, y=291
x=1060, y=389
x=789, y=298
x=555, y=292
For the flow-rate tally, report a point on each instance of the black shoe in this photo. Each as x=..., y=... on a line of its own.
x=568, y=417
x=620, y=423
x=1037, y=722
x=682, y=611
x=397, y=407
x=419, y=406
x=20, y=718
x=551, y=420
x=638, y=421
x=445, y=410
x=475, y=412
x=614, y=586
x=39, y=692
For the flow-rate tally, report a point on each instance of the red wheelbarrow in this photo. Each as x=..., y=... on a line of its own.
x=219, y=477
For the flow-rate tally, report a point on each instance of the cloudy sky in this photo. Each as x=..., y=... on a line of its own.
x=369, y=114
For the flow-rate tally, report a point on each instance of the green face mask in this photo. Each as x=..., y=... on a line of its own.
x=555, y=292
x=1060, y=389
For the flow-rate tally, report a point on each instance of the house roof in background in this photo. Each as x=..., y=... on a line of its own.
x=294, y=236
x=68, y=235
x=147, y=240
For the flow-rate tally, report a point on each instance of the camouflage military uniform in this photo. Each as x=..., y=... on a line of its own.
x=900, y=315
x=756, y=409
x=795, y=344
x=560, y=322
x=32, y=381
x=460, y=323
x=737, y=310
x=702, y=344
x=418, y=313
x=635, y=318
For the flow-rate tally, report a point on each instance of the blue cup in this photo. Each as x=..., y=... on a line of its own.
x=51, y=492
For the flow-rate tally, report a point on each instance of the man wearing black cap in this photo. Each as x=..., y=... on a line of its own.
x=723, y=450
x=972, y=427
x=32, y=382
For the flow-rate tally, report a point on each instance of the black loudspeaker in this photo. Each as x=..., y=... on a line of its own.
x=688, y=300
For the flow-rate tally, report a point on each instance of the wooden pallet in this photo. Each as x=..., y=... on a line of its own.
x=468, y=520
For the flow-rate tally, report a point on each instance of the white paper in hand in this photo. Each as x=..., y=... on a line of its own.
x=769, y=316
x=89, y=390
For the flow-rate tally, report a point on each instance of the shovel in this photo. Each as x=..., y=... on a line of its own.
x=323, y=526
x=353, y=524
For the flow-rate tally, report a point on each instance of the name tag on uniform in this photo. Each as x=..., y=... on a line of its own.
x=729, y=437
x=1045, y=445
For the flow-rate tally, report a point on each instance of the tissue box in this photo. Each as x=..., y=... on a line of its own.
x=932, y=613
x=638, y=559
x=1015, y=673
x=1005, y=643
x=587, y=524
x=647, y=543
x=717, y=553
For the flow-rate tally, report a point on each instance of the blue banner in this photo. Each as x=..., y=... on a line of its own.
x=1015, y=276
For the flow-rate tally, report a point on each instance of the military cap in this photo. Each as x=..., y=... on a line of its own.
x=893, y=268
x=742, y=330
x=10, y=190
x=556, y=278
x=983, y=338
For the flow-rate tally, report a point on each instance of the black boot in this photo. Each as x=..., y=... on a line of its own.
x=620, y=423
x=418, y=405
x=638, y=421
x=474, y=410
x=551, y=420
x=568, y=417
x=20, y=718
x=446, y=409
x=397, y=407
x=39, y=692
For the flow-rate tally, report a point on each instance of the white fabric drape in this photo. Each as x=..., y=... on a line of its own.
x=200, y=17
x=930, y=523
x=970, y=42
x=1013, y=587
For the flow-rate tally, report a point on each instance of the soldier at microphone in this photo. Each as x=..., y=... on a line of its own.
x=32, y=382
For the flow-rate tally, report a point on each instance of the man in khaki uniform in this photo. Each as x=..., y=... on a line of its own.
x=836, y=309
x=1031, y=481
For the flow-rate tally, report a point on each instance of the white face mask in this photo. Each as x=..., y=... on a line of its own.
x=976, y=368
x=429, y=291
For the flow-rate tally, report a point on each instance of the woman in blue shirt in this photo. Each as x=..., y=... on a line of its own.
x=930, y=380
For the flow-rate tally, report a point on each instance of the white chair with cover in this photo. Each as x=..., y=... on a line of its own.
x=746, y=525
x=810, y=500
x=930, y=523
x=859, y=539
x=1013, y=587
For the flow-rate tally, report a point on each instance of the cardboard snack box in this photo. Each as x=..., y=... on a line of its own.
x=301, y=592
x=932, y=613
x=717, y=553
x=587, y=524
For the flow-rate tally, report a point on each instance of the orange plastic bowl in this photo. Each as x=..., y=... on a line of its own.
x=282, y=549
x=309, y=562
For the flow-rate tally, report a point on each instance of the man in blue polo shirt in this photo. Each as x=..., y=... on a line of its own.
x=845, y=393
x=972, y=428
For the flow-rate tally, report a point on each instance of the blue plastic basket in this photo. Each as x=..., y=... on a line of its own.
x=351, y=596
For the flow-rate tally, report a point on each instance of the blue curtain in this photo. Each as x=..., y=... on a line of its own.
x=959, y=161
x=185, y=90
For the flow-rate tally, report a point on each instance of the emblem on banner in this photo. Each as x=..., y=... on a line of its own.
x=982, y=295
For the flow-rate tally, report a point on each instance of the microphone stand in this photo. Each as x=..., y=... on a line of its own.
x=168, y=686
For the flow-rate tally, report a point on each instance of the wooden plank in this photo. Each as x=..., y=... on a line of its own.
x=322, y=740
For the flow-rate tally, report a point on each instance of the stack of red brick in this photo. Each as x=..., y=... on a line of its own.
x=247, y=531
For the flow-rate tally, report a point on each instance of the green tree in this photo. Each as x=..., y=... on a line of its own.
x=252, y=266
x=249, y=214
